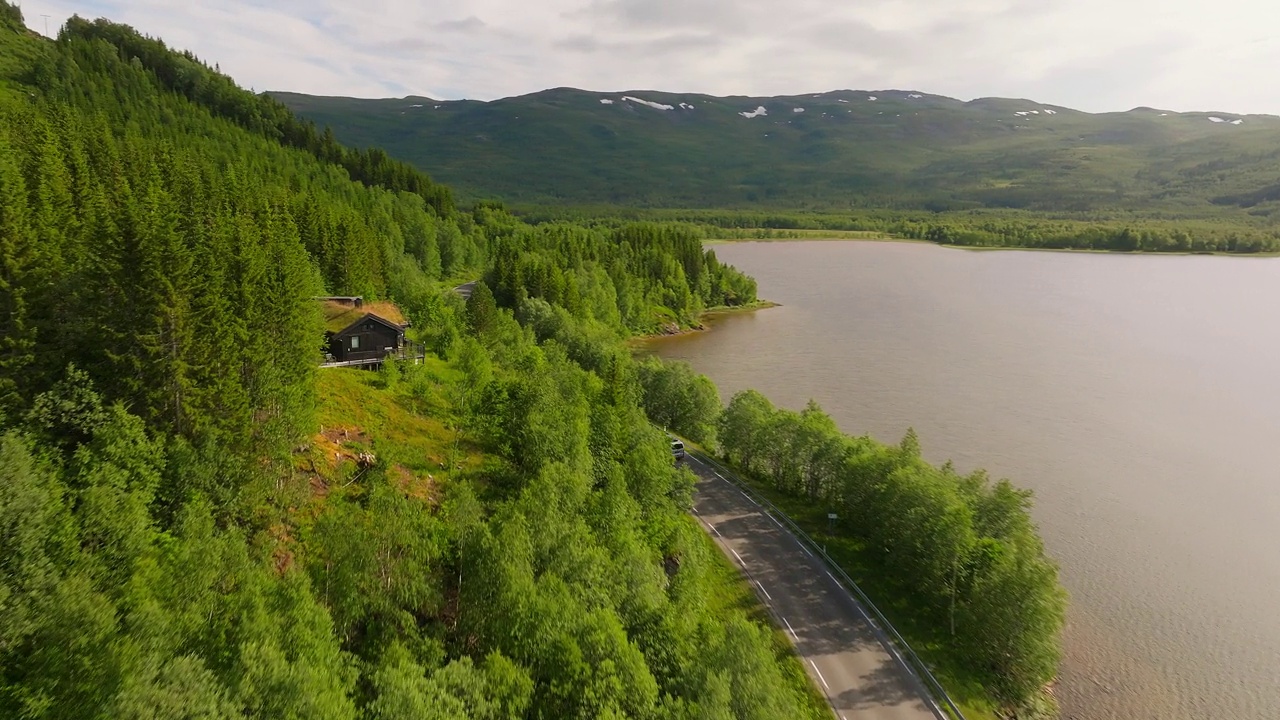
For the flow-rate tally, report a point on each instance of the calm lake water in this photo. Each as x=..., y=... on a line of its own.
x=1138, y=396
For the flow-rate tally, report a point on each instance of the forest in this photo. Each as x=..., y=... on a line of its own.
x=164, y=550
x=1100, y=230
x=198, y=522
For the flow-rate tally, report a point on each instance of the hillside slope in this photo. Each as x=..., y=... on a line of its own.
x=889, y=148
x=197, y=521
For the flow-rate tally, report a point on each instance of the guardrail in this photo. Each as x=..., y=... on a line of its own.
x=899, y=645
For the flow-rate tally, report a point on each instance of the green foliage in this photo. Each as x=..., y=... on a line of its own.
x=375, y=565
x=963, y=549
x=496, y=690
x=635, y=278
x=11, y=17
x=18, y=259
x=679, y=399
x=106, y=616
x=185, y=75
x=482, y=311
x=390, y=373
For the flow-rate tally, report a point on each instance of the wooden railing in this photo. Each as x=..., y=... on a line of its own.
x=414, y=352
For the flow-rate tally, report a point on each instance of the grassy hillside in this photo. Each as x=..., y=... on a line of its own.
x=830, y=151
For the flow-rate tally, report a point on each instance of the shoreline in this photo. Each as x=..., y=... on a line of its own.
x=703, y=318
x=818, y=238
x=998, y=248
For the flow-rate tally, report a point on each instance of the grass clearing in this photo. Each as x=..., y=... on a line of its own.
x=412, y=423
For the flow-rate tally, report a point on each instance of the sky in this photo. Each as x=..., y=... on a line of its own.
x=1094, y=55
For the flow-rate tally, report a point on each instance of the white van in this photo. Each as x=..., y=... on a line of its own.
x=677, y=449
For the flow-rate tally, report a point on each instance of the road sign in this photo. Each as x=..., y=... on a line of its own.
x=832, y=516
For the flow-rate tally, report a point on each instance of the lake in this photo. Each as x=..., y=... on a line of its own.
x=1137, y=395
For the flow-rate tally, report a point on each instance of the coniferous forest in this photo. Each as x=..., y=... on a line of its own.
x=196, y=521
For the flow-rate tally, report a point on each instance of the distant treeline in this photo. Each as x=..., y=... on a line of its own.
x=1012, y=229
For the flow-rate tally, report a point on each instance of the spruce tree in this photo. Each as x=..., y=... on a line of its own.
x=18, y=260
x=165, y=288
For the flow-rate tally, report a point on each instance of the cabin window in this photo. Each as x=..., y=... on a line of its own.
x=355, y=342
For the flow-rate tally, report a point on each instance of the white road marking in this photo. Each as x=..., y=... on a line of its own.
x=775, y=521
x=901, y=662
x=833, y=577
x=861, y=612
x=735, y=554
x=766, y=592
x=793, y=632
x=815, y=669
x=716, y=530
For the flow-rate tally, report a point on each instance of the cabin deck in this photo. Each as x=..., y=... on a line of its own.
x=415, y=353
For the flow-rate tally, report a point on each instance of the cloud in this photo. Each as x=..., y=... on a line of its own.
x=668, y=46
x=1091, y=54
x=469, y=24
x=721, y=15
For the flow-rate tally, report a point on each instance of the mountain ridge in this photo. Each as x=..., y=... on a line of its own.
x=828, y=150
x=877, y=92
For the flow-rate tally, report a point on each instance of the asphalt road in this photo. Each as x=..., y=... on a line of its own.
x=843, y=652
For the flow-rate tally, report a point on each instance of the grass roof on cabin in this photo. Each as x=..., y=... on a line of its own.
x=338, y=316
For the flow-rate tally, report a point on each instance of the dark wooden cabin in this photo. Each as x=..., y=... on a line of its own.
x=359, y=332
x=369, y=338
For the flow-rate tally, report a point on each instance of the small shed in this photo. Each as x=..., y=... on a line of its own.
x=359, y=331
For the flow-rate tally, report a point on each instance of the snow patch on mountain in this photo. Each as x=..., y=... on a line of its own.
x=606, y=101
x=686, y=106
x=797, y=110
x=758, y=112
x=654, y=105
x=1216, y=119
